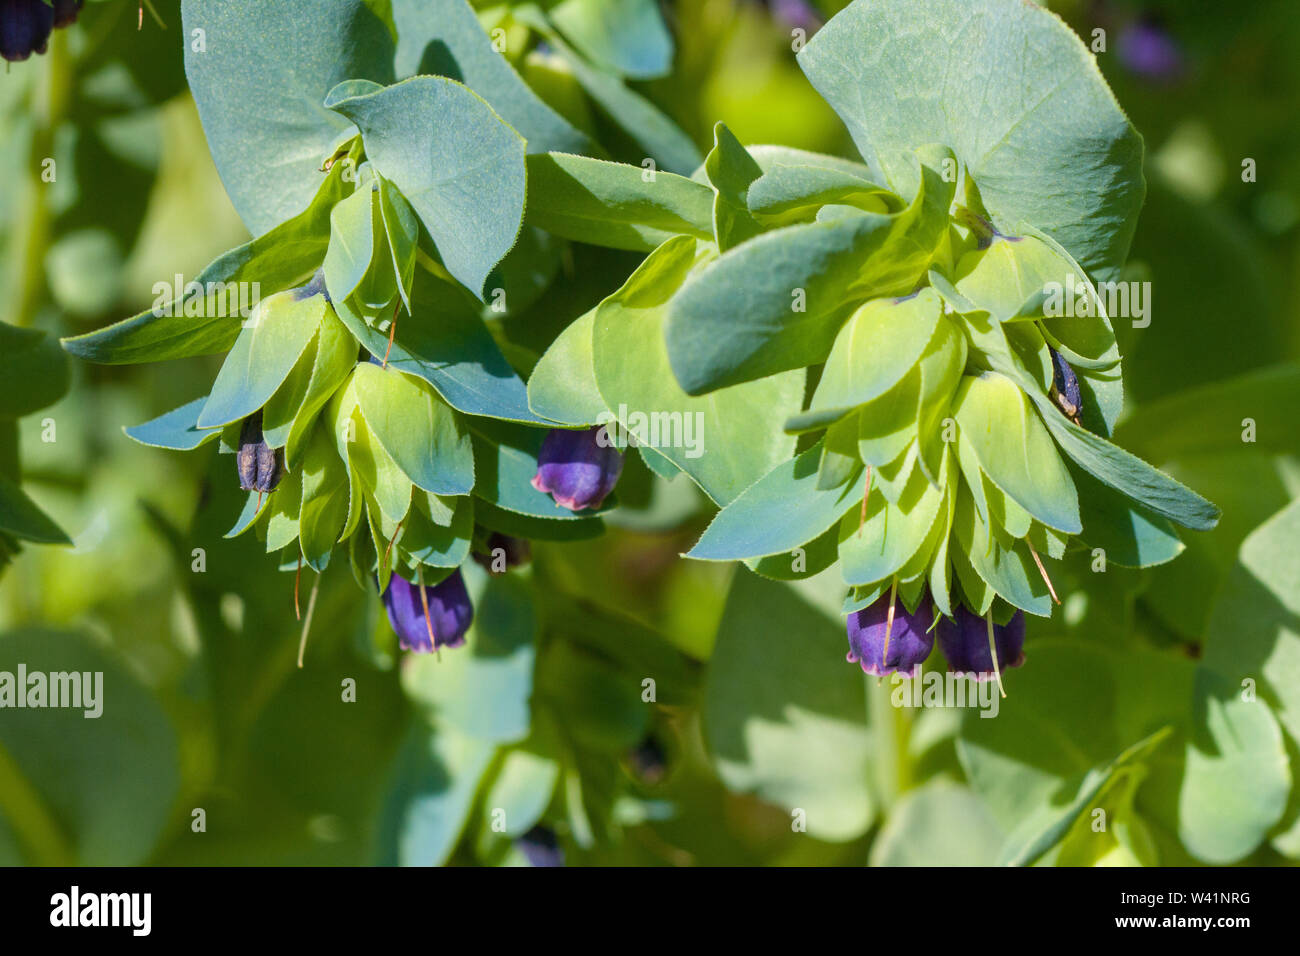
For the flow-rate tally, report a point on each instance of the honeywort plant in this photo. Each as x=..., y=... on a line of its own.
x=889, y=393
x=896, y=310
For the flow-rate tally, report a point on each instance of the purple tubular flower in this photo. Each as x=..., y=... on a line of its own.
x=25, y=27
x=910, y=638
x=578, y=468
x=450, y=613
x=965, y=642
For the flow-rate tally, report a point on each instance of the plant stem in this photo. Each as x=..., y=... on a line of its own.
x=27, y=265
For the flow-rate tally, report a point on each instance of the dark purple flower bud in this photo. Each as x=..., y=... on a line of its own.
x=25, y=27
x=908, y=645
x=541, y=847
x=65, y=12
x=260, y=466
x=449, y=617
x=1148, y=50
x=648, y=761
x=965, y=642
x=501, y=552
x=578, y=468
x=1065, y=386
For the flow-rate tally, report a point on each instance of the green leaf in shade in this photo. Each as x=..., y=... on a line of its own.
x=1130, y=535
x=599, y=701
x=941, y=366
x=784, y=716
x=444, y=38
x=430, y=794
x=402, y=231
x=282, y=407
x=1048, y=824
x=1015, y=450
x=19, y=516
x=1010, y=571
x=259, y=80
x=336, y=355
x=254, y=506
x=777, y=301
x=613, y=204
x=108, y=786
x=781, y=511
x=939, y=824
x=437, y=532
x=521, y=790
x=495, y=664
x=627, y=37
x=454, y=159
x=262, y=357
x=1015, y=94
x=325, y=490
x=33, y=368
x=661, y=138
x=562, y=387
x=177, y=429
x=283, y=513
x=1208, y=418
x=1254, y=634
x=419, y=432
x=892, y=534
x=734, y=440
x=1216, y=786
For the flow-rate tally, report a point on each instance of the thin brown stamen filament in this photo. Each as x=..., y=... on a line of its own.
x=1043, y=571
x=428, y=621
x=392, y=331
x=889, y=621
x=389, y=550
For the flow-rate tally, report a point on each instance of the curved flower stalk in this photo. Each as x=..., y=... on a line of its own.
x=939, y=299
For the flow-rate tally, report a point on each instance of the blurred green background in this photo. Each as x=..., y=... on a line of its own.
x=206, y=708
